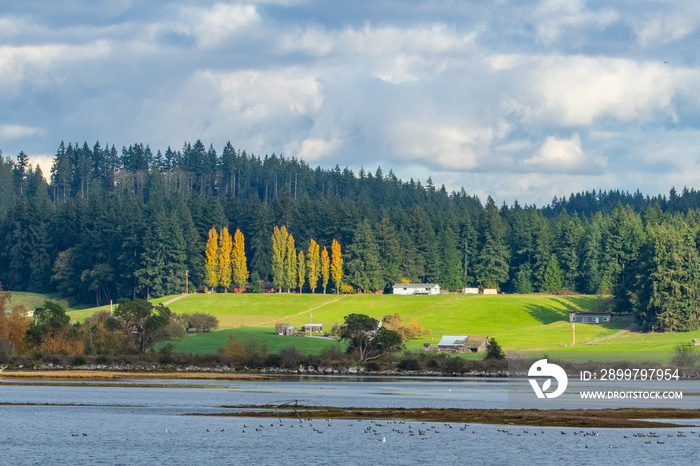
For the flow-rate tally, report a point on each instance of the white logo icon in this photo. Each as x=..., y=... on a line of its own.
x=542, y=368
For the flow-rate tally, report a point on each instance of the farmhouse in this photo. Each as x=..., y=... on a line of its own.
x=280, y=329
x=463, y=343
x=312, y=328
x=416, y=288
x=581, y=317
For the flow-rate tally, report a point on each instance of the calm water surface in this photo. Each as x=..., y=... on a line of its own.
x=128, y=425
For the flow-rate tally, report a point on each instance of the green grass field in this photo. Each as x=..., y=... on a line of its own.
x=535, y=323
x=208, y=343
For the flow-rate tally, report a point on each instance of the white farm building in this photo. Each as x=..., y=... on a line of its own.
x=416, y=288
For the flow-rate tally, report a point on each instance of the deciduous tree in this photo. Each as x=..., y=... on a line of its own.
x=325, y=269
x=336, y=265
x=313, y=265
x=225, y=271
x=239, y=263
x=211, y=266
x=279, y=253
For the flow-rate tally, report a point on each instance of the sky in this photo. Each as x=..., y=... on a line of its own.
x=521, y=100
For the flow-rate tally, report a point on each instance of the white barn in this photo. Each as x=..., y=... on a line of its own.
x=416, y=288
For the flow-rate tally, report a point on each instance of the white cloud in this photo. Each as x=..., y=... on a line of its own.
x=212, y=27
x=562, y=156
x=313, y=149
x=255, y=95
x=556, y=17
x=17, y=131
x=37, y=64
x=664, y=30
x=442, y=145
x=580, y=90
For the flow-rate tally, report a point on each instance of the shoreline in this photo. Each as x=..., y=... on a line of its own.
x=643, y=418
x=119, y=375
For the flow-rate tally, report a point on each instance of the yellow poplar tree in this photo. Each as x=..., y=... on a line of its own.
x=336, y=265
x=290, y=265
x=211, y=266
x=238, y=261
x=301, y=270
x=225, y=249
x=313, y=265
x=325, y=269
x=279, y=252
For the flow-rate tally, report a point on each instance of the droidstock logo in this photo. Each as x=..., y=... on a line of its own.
x=541, y=369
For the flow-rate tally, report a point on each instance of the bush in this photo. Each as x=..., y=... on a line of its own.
x=78, y=360
x=290, y=357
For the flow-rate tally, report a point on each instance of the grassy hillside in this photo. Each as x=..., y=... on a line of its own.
x=519, y=322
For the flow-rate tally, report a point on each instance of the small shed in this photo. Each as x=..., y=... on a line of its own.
x=471, y=291
x=280, y=329
x=478, y=343
x=312, y=328
x=290, y=331
x=416, y=288
x=490, y=291
x=453, y=343
x=581, y=317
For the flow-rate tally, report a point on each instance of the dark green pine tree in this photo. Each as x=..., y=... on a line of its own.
x=569, y=233
x=553, y=277
x=591, y=251
x=668, y=287
x=364, y=269
x=193, y=245
x=492, y=271
x=452, y=277
x=523, y=281
x=389, y=249
x=542, y=253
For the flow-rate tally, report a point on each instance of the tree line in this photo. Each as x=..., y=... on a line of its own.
x=133, y=223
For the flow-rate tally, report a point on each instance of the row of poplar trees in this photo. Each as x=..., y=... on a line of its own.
x=226, y=264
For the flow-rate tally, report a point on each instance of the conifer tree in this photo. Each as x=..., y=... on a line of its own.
x=279, y=252
x=336, y=265
x=313, y=265
x=239, y=262
x=225, y=254
x=325, y=269
x=290, y=265
x=553, y=277
x=301, y=270
x=211, y=266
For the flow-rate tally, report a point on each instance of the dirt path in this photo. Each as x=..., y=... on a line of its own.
x=300, y=313
x=630, y=328
x=175, y=299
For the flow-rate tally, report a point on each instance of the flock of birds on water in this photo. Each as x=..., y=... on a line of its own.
x=422, y=430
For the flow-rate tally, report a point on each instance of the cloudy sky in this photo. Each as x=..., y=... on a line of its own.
x=515, y=99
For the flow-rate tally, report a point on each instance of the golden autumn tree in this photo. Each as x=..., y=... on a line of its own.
x=279, y=253
x=301, y=270
x=225, y=250
x=290, y=265
x=313, y=265
x=211, y=266
x=336, y=265
x=239, y=262
x=325, y=269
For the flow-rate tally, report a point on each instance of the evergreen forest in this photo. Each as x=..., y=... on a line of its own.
x=108, y=224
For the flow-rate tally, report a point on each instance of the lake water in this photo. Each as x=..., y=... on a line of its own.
x=128, y=425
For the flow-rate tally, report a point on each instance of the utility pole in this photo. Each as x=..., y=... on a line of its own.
x=573, y=326
x=187, y=289
x=311, y=331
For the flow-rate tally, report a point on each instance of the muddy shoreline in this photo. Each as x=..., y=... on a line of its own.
x=581, y=418
x=119, y=375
